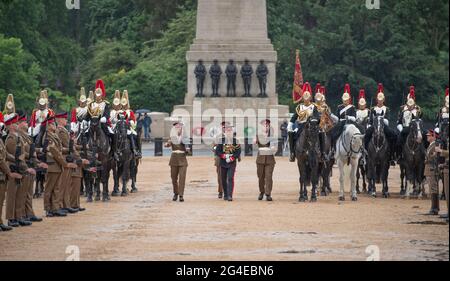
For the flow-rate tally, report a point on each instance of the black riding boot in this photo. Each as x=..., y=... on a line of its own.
x=134, y=147
x=322, y=146
x=291, y=146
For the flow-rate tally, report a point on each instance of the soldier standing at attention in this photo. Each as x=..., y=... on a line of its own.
x=5, y=175
x=76, y=177
x=29, y=179
x=56, y=163
x=66, y=176
x=265, y=161
x=229, y=151
x=178, y=161
x=431, y=172
x=15, y=195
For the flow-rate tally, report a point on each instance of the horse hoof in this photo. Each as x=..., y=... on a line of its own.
x=313, y=199
x=115, y=194
x=134, y=190
x=301, y=199
x=124, y=194
x=341, y=198
x=354, y=199
x=97, y=198
x=373, y=194
x=386, y=195
x=89, y=200
x=402, y=192
x=323, y=193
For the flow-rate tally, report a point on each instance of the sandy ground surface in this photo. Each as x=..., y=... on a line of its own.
x=149, y=226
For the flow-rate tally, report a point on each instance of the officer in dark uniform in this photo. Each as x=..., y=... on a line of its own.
x=229, y=151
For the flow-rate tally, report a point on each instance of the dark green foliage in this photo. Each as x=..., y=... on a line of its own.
x=140, y=45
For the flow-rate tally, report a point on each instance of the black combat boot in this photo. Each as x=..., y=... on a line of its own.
x=434, y=205
x=175, y=198
x=13, y=223
x=34, y=219
x=261, y=197
x=136, y=153
x=5, y=227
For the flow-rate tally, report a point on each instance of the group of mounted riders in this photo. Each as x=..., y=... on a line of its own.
x=66, y=158
x=360, y=136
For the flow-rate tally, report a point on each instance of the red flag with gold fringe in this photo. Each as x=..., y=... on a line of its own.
x=297, y=92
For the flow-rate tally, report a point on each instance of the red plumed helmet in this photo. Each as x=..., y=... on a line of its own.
x=412, y=93
x=362, y=94
x=380, y=88
x=318, y=88
x=347, y=93
x=323, y=89
x=307, y=87
x=446, y=92
x=100, y=85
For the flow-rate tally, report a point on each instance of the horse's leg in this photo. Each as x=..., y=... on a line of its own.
x=364, y=175
x=97, y=187
x=354, y=167
x=123, y=172
x=116, y=176
x=133, y=174
x=105, y=179
x=358, y=176
x=341, y=179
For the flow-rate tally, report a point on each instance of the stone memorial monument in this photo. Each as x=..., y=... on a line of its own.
x=231, y=32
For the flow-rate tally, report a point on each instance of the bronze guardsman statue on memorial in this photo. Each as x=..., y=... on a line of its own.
x=246, y=73
x=200, y=75
x=215, y=71
x=261, y=72
x=231, y=72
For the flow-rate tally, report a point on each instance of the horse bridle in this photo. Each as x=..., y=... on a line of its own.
x=351, y=151
x=378, y=135
x=414, y=133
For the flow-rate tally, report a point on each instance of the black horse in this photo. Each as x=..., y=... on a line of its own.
x=122, y=155
x=413, y=159
x=308, y=157
x=100, y=146
x=378, y=158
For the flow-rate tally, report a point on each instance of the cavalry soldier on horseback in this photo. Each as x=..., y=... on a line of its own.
x=345, y=114
x=407, y=114
x=265, y=161
x=380, y=109
x=302, y=113
x=363, y=113
x=79, y=114
x=40, y=115
x=326, y=123
x=115, y=110
x=131, y=120
x=99, y=107
x=10, y=109
x=444, y=112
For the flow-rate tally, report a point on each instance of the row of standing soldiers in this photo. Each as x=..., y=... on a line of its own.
x=43, y=145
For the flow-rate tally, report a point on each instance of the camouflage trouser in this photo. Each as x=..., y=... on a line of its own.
x=433, y=184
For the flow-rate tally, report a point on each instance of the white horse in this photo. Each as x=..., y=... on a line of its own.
x=348, y=152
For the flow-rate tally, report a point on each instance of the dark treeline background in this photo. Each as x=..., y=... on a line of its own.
x=140, y=45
